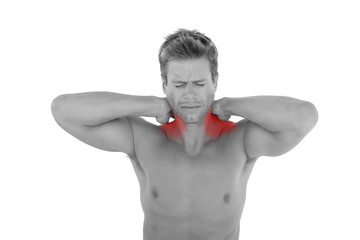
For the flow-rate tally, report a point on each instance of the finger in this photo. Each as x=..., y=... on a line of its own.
x=215, y=109
x=224, y=117
x=163, y=119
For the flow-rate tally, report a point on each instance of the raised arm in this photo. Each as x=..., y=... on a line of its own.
x=274, y=124
x=101, y=119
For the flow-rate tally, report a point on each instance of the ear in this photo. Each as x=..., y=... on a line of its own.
x=215, y=81
x=164, y=86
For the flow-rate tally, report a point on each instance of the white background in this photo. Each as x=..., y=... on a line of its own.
x=52, y=186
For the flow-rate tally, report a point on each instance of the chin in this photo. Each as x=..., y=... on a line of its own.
x=192, y=118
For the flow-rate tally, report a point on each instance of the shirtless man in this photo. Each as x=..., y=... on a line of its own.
x=192, y=171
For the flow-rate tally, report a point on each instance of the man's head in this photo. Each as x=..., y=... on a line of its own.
x=188, y=63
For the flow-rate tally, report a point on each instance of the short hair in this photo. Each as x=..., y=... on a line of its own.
x=186, y=44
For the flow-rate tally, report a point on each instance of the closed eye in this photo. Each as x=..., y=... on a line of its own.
x=183, y=84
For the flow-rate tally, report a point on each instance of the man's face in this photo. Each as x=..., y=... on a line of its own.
x=190, y=90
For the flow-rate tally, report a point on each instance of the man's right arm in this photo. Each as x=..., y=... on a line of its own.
x=101, y=119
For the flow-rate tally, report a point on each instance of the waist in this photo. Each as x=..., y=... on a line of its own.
x=158, y=227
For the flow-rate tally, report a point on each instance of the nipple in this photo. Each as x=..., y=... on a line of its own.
x=154, y=193
x=227, y=197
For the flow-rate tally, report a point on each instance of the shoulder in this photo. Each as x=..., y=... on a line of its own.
x=144, y=130
x=240, y=131
x=233, y=134
x=232, y=140
x=228, y=126
x=235, y=129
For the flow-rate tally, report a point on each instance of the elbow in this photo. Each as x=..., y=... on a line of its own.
x=56, y=106
x=308, y=117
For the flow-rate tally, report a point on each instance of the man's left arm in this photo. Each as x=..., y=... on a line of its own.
x=275, y=124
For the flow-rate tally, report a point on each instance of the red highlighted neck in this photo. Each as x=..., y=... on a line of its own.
x=174, y=129
x=212, y=126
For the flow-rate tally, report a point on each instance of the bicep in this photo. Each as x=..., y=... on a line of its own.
x=114, y=136
x=261, y=142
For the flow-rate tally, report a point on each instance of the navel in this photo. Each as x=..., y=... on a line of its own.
x=154, y=193
x=227, y=198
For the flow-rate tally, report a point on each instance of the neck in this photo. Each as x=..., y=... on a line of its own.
x=194, y=136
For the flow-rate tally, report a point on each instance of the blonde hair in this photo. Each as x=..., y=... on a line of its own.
x=185, y=44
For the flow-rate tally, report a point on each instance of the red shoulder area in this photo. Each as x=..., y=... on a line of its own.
x=215, y=127
x=171, y=129
x=229, y=126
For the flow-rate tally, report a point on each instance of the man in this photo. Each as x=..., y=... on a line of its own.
x=192, y=171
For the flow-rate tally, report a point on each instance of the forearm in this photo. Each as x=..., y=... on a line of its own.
x=274, y=113
x=94, y=108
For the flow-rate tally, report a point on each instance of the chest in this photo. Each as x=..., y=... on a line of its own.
x=213, y=166
x=175, y=183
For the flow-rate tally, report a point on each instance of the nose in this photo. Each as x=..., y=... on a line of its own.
x=189, y=90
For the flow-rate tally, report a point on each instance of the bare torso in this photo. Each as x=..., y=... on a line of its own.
x=190, y=197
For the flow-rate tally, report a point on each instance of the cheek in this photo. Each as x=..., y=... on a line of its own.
x=172, y=100
x=210, y=98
